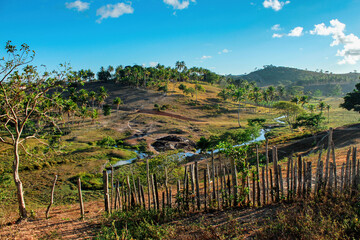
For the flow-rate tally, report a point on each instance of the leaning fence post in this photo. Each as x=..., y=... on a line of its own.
x=81, y=200
x=148, y=183
x=276, y=174
x=258, y=177
x=309, y=177
x=112, y=189
x=52, y=197
x=281, y=181
x=106, y=191
x=205, y=191
x=334, y=162
x=267, y=170
x=328, y=158
x=197, y=185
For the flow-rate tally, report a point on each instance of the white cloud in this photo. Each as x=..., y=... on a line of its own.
x=276, y=35
x=178, y=4
x=153, y=64
x=296, y=32
x=206, y=57
x=79, y=5
x=351, y=43
x=276, y=27
x=224, y=51
x=114, y=11
x=275, y=4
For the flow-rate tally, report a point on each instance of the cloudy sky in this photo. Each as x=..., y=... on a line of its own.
x=228, y=36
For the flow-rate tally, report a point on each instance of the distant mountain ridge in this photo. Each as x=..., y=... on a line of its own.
x=273, y=75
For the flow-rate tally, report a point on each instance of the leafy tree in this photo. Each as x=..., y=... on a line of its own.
x=289, y=110
x=94, y=115
x=92, y=97
x=309, y=121
x=117, y=102
x=104, y=75
x=321, y=106
x=107, y=110
x=25, y=98
x=352, y=100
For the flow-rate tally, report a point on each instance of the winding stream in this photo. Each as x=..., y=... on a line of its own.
x=182, y=155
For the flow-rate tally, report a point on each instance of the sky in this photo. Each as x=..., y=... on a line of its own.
x=227, y=37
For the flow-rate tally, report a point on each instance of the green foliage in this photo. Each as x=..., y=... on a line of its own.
x=106, y=142
x=310, y=121
x=88, y=181
x=352, y=100
x=289, y=110
x=256, y=121
x=107, y=110
x=321, y=218
x=137, y=224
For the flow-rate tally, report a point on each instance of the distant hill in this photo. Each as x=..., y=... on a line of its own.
x=310, y=80
x=273, y=75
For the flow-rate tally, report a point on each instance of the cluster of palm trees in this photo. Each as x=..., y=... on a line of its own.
x=84, y=104
x=157, y=77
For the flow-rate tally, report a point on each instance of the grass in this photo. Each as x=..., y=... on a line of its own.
x=317, y=218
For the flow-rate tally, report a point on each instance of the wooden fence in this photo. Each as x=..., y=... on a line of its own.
x=218, y=186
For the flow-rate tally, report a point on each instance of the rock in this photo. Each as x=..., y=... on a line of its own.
x=173, y=142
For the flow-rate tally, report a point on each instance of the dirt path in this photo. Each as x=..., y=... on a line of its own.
x=64, y=223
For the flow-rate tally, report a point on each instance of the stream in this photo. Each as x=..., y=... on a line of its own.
x=182, y=155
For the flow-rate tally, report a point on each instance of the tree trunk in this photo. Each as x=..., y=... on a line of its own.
x=18, y=183
x=239, y=115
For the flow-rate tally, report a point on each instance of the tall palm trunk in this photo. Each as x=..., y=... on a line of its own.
x=239, y=115
x=18, y=183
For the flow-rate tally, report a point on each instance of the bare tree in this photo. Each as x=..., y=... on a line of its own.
x=25, y=100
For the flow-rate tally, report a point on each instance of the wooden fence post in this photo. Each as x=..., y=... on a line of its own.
x=258, y=177
x=52, y=197
x=334, y=162
x=213, y=175
x=276, y=174
x=197, y=185
x=82, y=212
x=106, y=191
x=328, y=158
x=267, y=169
x=288, y=178
x=148, y=182
x=300, y=175
x=112, y=189
x=205, y=190
x=156, y=193
x=271, y=186
x=309, y=177
x=263, y=184
x=281, y=181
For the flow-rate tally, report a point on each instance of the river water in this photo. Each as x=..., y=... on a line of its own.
x=183, y=155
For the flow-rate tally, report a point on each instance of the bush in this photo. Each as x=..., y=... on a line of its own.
x=106, y=142
x=88, y=181
x=107, y=110
x=320, y=218
x=136, y=224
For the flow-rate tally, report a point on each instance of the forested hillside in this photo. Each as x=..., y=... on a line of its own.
x=324, y=81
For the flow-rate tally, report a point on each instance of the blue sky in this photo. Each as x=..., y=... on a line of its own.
x=228, y=36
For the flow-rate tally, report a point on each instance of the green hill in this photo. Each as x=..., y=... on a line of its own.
x=326, y=81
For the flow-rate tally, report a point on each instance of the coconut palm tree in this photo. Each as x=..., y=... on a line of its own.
x=322, y=106
x=92, y=97
x=328, y=110
x=238, y=96
x=117, y=102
